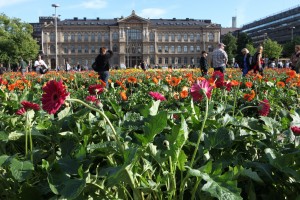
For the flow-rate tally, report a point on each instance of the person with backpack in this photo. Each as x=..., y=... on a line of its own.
x=102, y=65
x=257, y=61
x=246, y=62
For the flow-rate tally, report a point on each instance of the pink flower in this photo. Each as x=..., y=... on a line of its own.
x=95, y=89
x=157, y=96
x=91, y=98
x=219, y=78
x=264, y=108
x=198, y=89
x=296, y=130
x=21, y=111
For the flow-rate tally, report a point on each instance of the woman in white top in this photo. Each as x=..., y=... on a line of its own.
x=40, y=65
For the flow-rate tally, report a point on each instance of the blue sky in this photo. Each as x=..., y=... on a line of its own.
x=219, y=11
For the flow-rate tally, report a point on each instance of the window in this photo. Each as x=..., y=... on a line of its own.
x=166, y=49
x=66, y=50
x=166, y=60
x=92, y=37
x=160, y=60
x=152, y=61
x=185, y=49
x=106, y=37
x=185, y=37
x=152, y=36
x=86, y=49
x=79, y=50
x=86, y=37
x=173, y=60
x=198, y=48
x=160, y=37
x=191, y=48
x=115, y=48
x=172, y=49
x=166, y=37
x=134, y=34
x=99, y=37
x=172, y=37
x=179, y=49
x=185, y=60
x=198, y=37
x=179, y=38
x=159, y=49
x=52, y=49
x=52, y=37
x=179, y=60
x=115, y=36
x=72, y=49
x=210, y=48
x=79, y=37
x=192, y=37
x=211, y=37
x=66, y=37
x=151, y=48
x=72, y=37
x=93, y=49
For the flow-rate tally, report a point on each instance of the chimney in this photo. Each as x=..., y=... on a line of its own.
x=233, y=22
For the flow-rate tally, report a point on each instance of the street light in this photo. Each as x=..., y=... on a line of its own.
x=127, y=47
x=292, y=28
x=55, y=18
x=204, y=38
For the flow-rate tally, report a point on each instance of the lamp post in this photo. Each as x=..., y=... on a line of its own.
x=204, y=38
x=292, y=28
x=127, y=46
x=55, y=18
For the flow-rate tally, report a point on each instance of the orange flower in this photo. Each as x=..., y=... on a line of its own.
x=248, y=84
x=132, y=80
x=280, y=84
x=155, y=80
x=235, y=83
x=123, y=95
x=184, y=94
x=291, y=73
x=249, y=97
x=174, y=81
x=11, y=87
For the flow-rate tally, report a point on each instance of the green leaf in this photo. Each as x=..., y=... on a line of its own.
x=182, y=159
x=117, y=108
x=15, y=135
x=21, y=170
x=253, y=175
x=62, y=114
x=3, y=159
x=221, y=138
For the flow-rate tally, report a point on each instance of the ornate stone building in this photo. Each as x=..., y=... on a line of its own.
x=132, y=39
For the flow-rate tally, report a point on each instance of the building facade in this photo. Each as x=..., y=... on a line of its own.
x=132, y=39
x=281, y=27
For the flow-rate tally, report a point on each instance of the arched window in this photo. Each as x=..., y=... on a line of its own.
x=92, y=37
x=79, y=37
x=106, y=37
x=99, y=38
x=192, y=37
x=52, y=49
x=172, y=37
x=185, y=37
x=86, y=37
x=179, y=49
x=179, y=38
x=115, y=48
x=166, y=37
x=152, y=36
x=52, y=37
x=72, y=37
x=66, y=37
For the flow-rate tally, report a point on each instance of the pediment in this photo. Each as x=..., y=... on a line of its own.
x=133, y=18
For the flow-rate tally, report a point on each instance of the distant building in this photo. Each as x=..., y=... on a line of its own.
x=132, y=39
x=280, y=27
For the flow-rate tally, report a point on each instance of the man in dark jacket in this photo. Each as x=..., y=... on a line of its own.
x=103, y=65
x=203, y=63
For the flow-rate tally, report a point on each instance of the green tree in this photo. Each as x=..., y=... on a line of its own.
x=289, y=47
x=272, y=49
x=16, y=40
x=251, y=48
x=242, y=41
x=230, y=41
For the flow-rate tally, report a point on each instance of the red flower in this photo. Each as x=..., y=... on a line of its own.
x=218, y=77
x=91, y=98
x=28, y=105
x=21, y=111
x=264, y=108
x=54, y=96
x=296, y=130
x=198, y=88
x=157, y=96
x=95, y=89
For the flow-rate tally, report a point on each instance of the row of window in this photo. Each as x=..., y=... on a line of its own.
x=171, y=37
x=176, y=60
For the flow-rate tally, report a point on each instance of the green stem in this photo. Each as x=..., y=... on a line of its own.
x=107, y=120
x=195, y=188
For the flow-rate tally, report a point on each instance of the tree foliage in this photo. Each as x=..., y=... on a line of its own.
x=16, y=40
x=242, y=41
x=289, y=48
x=272, y=49
x=230, y=41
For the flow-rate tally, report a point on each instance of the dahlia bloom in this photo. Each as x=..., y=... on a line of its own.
x=28, y=105
x=198, y=88
x=296, y=130
x=91, y=98
x=264, y=108
x=95, y=89
x=54, y=96
x=157, y=96
x=21, y=111
x=218, y=77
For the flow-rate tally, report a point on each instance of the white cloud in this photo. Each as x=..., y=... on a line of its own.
x=4, y=3
x=152, y=12
x=93, y=4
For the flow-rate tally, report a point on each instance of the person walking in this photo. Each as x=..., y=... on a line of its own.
x=203, y=63
x=40, y=66
x=295, y=59
x=257, y=61
x=102, y=64
x=219, y=58
x=245, y=65
x=23, y=66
